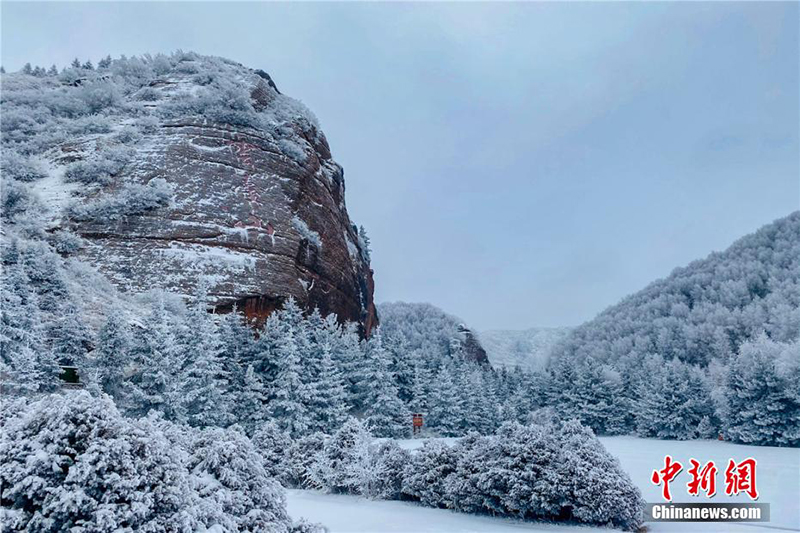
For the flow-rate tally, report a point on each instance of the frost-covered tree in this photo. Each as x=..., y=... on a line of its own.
x=386, y=414
x=155, y=366
x=290, y=396
x=239, y=494
x=762, y=394
x=203, y=380
x=445, y=406
x=330, y=396
x=111, y=355
x=93, y=470
x=343, y=464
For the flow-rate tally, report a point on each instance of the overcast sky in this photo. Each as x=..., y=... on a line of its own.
x=517, y=165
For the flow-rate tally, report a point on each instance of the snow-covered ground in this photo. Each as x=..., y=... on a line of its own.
x=778, y=482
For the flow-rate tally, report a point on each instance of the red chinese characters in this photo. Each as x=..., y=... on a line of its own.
x=741, y=477
x=702, y=478
x=666, y=475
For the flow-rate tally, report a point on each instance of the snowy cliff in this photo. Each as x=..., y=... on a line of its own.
x=176, y=168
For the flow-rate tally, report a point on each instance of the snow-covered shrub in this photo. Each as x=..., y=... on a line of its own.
x=424, y=477
x=72, y=463
x=343, y=464
x=305, y=232
x=388, y=461
x=477, y=485
x=546, y=472
x=237, y=492
x=147, y=94
x=16, y=199
x=132, y=199
x=20, y=167
x=65, y=242
x=101, y=168
x=595, y=489
x=302, y=457
x=88, y=125
x=293, y=149
x=275, y=448
x=129, y=135
x=147, y=124
x=222, y=100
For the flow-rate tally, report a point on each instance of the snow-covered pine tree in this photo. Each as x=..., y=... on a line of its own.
x=112, y=355
x=156, y=365
x=69, y=336
x=204, y=380
x=289, y=395
x=343, y=464
x=330, y=398
x=761, y=393
x=386, y=414
x=352, y=362
x=31, y=367
x=446, y=409
x=419, y=388
x=674, y=398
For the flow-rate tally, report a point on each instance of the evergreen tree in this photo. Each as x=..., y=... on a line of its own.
x=112, y=355
x=105, y=62
x=157, y=363
x=88, y=65
x=386, y=414
x=27, y=69
x=331, y=409
x=250, y=408
x=76, y=63
x=52, y=71
x=69, y=336
x=290, y=397
x=204, y=381
x=446, y=410
x=762, y=393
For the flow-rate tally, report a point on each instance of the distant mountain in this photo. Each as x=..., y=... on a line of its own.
x=529, y=349
x=704, y=311
x=425, y=327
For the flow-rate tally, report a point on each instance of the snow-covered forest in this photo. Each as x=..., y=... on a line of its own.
x=710, y=350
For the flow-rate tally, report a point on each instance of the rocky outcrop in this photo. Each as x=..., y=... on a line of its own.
x=468, y=345
x=258, y=208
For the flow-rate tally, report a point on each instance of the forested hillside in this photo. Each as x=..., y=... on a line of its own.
x=706, y=310
x=710, y=350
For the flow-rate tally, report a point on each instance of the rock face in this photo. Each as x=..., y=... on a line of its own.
x=258, y=207
x=469, y=346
